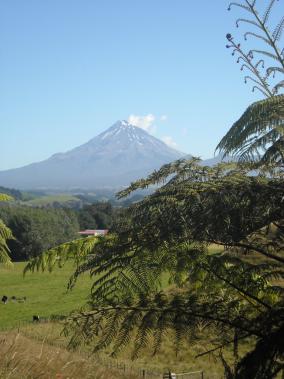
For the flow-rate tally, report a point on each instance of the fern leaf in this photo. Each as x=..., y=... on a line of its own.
x=259, y=118
x=266, y=53
x=254, y=23
x=278, y=85
x=267, y=12
x=257, y=36
x=76, y=250
x=270, y=70
x=277, y=33
x=239, y=5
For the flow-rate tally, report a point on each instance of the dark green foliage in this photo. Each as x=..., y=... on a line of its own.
x=36, y=230
x=168, y=232
x=258, y=134
x=265, y=360
x=101, y=215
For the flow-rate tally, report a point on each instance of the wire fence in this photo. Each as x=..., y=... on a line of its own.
x=185, y=375
x=146, y=373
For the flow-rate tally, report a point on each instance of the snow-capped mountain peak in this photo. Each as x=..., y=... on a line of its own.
x=114, y=158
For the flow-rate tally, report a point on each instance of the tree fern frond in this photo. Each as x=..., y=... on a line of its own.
x=256, y=120
x=278, y=85
x=181, y=166
x=126, y=329
x=144, y=331
x=239, y=5
x=277, y=33
x=266, y=53
x=274, y=69
x=274, y=153
x=257, y=36
x=267, y=12
x=252, y=148
x=75, y=250
x=254, y=23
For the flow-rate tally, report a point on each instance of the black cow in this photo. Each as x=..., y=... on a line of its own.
x=35, y=318
x=5, y=299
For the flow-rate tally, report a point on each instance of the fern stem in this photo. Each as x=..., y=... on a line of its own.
x=250, y=247
x=241, y=291
x=221, y=346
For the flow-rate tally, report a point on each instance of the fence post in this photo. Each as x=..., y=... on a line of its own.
x=202, y=374
x=143, y=373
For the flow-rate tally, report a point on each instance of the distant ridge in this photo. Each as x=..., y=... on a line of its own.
x=218, y=159
x=112, y=159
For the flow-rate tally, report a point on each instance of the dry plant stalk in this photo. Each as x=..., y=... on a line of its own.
x=21, y=357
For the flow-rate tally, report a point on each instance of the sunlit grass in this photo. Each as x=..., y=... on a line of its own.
x=46, y=294
x=26, y=358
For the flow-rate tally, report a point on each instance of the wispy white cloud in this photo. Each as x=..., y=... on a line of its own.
x=143, y=122
x=164, y=117
x=169, y=141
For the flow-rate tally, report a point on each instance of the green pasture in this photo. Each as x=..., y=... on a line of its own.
x=46, y=296
x=50, y=199
x=45, y=292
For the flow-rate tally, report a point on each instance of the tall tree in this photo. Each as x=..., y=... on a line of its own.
x=38, y=229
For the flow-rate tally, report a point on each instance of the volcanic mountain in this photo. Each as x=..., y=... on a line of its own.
x=113, y=159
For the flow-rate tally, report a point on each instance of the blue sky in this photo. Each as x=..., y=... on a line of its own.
x=71, y=68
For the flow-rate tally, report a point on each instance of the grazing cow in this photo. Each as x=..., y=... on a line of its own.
x=21, y=299
x=5, y=299
x=35, y=318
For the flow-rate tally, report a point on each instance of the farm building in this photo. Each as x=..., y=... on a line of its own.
x=93, y=232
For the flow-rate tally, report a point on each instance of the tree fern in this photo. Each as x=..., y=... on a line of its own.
x=259, y=131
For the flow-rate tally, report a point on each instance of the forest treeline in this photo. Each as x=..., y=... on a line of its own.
x=38, y=229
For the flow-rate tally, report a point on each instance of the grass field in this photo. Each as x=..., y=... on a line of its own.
x=167, y=358
x=50, y=199
x=25, y=358
x=46, y=294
